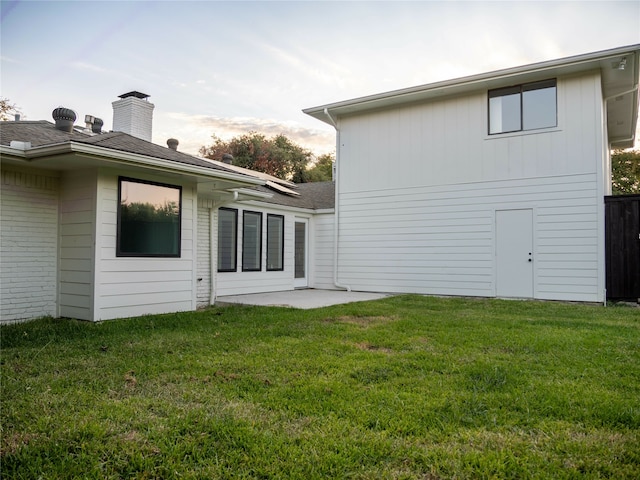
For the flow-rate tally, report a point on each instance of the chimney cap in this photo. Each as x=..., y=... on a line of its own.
x=134, y=93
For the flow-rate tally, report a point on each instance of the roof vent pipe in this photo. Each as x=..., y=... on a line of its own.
x=64, y=118
x=96, y=126
x=172, y=143
x=227, y=158
x=16, y=117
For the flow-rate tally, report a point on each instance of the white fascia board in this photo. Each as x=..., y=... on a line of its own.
x=14, y=152
x=578, y=63
x=280, y=207
x=126, y=158
x=252, y=194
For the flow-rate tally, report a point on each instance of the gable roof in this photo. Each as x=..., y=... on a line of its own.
x=313, y=196
x=618, y=84
x=42, y=133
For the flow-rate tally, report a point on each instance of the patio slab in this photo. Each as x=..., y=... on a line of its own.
x=303, y=299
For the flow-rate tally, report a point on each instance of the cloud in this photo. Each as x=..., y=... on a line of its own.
x=195, y=131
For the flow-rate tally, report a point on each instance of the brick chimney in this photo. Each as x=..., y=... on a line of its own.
x=133, y=114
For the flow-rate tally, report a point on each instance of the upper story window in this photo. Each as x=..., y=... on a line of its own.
x=523, y=107
x=149, y=219
x=227, y=239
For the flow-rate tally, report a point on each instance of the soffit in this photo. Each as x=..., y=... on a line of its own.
x=622, y=113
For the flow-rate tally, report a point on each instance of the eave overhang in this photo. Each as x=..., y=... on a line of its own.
x=65, y=155
x=621, y=85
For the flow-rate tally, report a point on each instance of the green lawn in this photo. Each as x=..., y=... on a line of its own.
x=405, y=387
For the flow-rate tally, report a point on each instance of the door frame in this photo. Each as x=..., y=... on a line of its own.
x=515, y=207
x=301, y=282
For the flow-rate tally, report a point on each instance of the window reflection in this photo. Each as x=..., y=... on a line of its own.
x=149, y=217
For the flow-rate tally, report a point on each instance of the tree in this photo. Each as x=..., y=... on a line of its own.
x=277, y=156
x=322, y=170
x=7, y=109
x=625, y=170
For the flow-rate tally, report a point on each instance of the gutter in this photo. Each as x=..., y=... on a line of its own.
x=336, y=208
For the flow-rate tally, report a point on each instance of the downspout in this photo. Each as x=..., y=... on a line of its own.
x=336, y=208
x=213, y=255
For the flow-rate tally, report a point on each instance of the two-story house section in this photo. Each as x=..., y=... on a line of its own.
x=488, y=185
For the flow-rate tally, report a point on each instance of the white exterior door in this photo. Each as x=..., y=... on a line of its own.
x=514, y=253
x=301, y=239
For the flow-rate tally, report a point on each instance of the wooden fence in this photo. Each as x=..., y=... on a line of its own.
x=622, y=243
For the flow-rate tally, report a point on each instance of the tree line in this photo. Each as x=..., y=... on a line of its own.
x=278, y=156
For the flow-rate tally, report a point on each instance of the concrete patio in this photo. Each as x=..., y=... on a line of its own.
x=303, y=299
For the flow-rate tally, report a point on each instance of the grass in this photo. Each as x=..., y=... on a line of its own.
x=405, y=387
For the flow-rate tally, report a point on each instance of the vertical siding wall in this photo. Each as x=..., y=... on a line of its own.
x=129, y=286
x=419, y=187
x=28, y=246
x=77, y=240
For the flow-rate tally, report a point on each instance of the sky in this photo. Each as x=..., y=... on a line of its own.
x=228, y=68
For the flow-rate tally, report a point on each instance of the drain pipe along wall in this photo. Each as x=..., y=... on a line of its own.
x=336, y=217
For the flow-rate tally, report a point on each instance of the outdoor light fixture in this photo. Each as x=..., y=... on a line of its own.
x=623, y=63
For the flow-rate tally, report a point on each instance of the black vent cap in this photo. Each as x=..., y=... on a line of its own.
x=135, y=94
x=96, y=126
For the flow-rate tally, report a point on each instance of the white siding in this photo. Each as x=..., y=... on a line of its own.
x=437, y=240
x=77, y=240
x=419, y=186
x=445, y=143
x=128, y=286
x=28, y=245
x=322, y=245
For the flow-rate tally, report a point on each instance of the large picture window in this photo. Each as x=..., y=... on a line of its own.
x=523, y=107
x=275, y=242
x=149, y=219
x=227, y=239
x=251, y=241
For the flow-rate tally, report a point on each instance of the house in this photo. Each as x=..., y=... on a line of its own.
x=99, y=225
x=491, y=185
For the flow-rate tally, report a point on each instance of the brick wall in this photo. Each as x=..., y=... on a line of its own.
x=28, y=244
